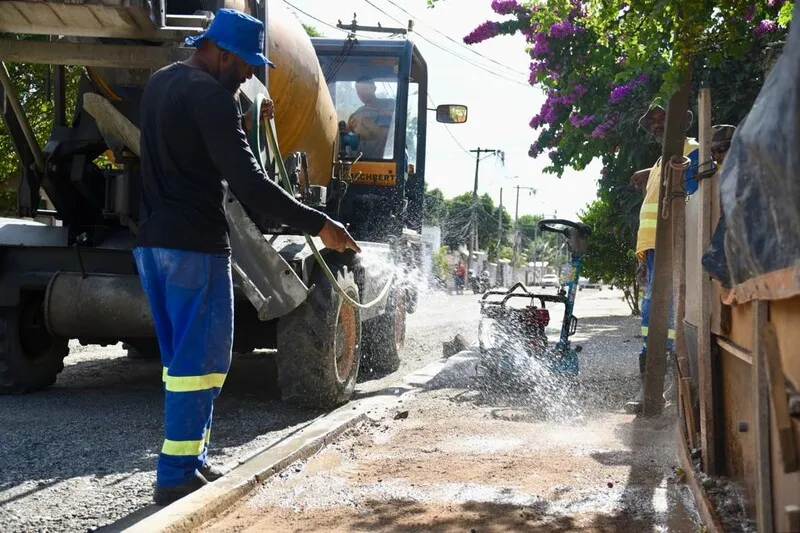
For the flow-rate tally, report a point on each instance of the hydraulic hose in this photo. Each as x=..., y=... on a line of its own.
x=272, y=139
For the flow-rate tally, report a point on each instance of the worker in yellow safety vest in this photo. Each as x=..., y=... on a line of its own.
x=653, y=122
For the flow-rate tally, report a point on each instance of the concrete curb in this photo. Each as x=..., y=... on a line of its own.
x=201, y=506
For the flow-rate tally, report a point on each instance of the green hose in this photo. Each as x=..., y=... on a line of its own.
x=272, y=139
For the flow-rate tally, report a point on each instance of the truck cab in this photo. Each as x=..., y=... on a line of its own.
x=379, y=88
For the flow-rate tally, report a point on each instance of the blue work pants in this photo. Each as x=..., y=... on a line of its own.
x=191, y=300
x=645, y=308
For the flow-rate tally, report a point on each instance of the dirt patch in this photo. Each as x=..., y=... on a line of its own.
x=456, y=466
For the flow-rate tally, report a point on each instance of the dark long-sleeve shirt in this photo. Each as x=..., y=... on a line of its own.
x=192, y=142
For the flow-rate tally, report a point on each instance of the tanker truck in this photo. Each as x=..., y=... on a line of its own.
x=66, y=265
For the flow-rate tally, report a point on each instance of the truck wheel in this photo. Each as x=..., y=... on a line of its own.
x=30, y=358
x=385, y=335
x=319, y=345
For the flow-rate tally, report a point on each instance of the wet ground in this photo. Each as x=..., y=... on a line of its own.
x=461, y=465
x=461, y=456
x=80, y=456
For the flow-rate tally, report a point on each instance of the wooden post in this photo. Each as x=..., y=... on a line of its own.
x=705, y=368
x=674, y=139
x=760, y=390
x=678, y=214
x=770, y=354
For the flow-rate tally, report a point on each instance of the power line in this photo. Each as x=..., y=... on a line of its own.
x=447, y=50
x=447, y=129
x=313, y=17
x=456, y=42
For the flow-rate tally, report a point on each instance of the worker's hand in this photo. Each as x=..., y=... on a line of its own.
x=267, y=114
x=335, y=236
x=267, y=110
x=641, y=274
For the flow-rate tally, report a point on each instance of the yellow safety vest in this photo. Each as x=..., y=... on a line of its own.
x=648, y=215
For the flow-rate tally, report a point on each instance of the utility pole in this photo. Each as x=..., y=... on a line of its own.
x=473, y=222
x=500, y=223
x=516, y=221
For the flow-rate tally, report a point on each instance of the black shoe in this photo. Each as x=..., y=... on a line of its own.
x=168, y=495
x=211, y=473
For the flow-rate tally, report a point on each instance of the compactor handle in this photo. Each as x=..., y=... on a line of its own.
x=576, y=233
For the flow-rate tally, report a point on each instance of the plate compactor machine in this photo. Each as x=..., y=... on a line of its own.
x=511, y=335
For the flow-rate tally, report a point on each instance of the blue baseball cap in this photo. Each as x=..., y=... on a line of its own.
x=238, y=33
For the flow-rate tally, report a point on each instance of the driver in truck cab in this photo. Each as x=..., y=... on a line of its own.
x=193, y=145
x=372, y=120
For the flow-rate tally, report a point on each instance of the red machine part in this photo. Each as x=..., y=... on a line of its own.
x=537, y=317
x=535, y=320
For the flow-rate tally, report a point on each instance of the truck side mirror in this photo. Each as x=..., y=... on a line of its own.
x=451, y=113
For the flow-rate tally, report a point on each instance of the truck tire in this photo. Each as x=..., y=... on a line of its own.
x=319, y=345
x=30, y=358
x=384, y=336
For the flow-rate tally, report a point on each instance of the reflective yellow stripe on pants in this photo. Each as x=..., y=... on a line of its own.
x=192, y=383
x=185, y=447
x=670, y=333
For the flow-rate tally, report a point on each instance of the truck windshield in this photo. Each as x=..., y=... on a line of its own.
x=364, y=91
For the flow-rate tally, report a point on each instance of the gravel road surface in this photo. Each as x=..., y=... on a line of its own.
x=80, y=456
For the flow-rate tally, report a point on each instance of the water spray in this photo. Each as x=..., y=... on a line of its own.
x=272, y=139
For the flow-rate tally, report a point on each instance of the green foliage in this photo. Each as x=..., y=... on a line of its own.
x=439, y=263
x=610, y=254
x=454, y=217
x=311, y=31
x=603, y=63
x=435, y=209
x=34, y=86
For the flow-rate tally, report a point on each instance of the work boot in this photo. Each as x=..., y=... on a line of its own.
x=211, y=473
x=168, y=495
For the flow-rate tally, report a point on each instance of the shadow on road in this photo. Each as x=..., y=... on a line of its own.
x=105, y=418
x=407, y=516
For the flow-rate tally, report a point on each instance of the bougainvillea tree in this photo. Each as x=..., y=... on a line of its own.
x=602, y=63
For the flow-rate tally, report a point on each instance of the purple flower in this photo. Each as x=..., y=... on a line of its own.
x=485, y=31
x=552, y=155
x=579, y=89
x=751, y=12
x=619, y=93
x=580, y=122
x=505, y=7
x=540, y=46
x=537, y=67
x=765, y=26
x=775, y=3
x=562, y=29
x=603, y=129
x=534, y=150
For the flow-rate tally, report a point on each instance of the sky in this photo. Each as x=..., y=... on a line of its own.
x=500, y=102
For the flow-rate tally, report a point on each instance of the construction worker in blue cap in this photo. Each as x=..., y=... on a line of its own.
x=193, y=141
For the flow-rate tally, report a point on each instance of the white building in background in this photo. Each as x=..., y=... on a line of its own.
x=431, y=242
